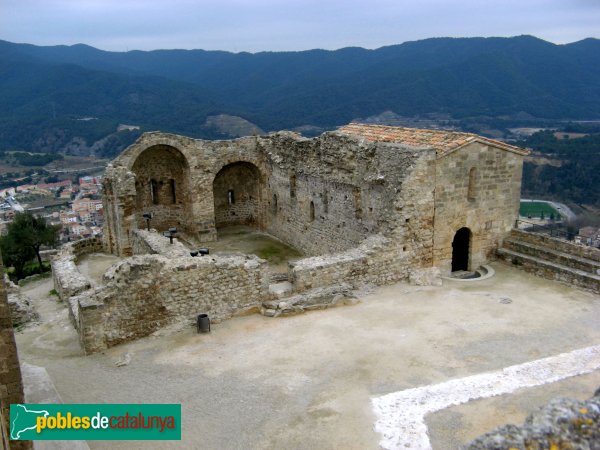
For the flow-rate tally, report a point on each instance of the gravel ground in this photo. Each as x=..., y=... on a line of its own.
x=305, y=382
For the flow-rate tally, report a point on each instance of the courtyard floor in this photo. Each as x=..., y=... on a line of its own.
x=243, y=239
x=309, y=381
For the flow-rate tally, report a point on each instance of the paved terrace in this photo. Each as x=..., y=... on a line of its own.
x=312, y=381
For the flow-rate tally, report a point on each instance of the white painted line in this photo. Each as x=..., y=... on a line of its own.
x=401, y=415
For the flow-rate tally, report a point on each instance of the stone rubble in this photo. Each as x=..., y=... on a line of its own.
x=562, y=424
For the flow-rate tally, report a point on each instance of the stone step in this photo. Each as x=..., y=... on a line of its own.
x=548, y=254
x=281, y=290
x=277, y=277
x=316, y=298
x=556, y=243
x=551, y=270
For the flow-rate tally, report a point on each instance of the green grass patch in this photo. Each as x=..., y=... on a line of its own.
x=536, y=209
x=277, y=253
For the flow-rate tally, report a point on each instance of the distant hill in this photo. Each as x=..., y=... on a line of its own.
x=44, y=89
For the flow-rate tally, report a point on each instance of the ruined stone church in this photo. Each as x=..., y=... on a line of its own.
x=444, y=199
x=366, y=204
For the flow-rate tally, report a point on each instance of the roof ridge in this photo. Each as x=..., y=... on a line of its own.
x=443, y=141
x=431, y=130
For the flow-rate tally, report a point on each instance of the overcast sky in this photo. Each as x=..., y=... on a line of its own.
x=256, y=25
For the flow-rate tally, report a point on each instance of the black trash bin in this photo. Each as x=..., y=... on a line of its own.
x=203, y=323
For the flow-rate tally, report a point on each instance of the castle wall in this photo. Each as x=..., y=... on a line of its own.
x=486, y=201
x=11, y=384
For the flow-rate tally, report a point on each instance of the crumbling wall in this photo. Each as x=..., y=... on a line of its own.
x=68, y=281
x=147, y=292
x=370, y=263
x=329, y=194
x=321, y=195
x=11, y=384
x=153, y=243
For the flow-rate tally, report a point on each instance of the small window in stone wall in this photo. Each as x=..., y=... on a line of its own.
x=293, y=186
x=472, y=182
x=230, y=197
x=154, y=192
x=173, y=191
x=325, y=202
x=312, y=211
x=274, y=204
x=357, y=203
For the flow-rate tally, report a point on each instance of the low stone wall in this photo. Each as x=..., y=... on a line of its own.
x=561, y=245
x=147, y=292
x=552, y=271
x=154, y=243
x=371, y=262
x=68, y=281
x=85, y=246
x=163, y=285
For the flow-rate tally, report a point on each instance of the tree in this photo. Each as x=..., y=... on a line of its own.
x=26, y=235
x=15, y=255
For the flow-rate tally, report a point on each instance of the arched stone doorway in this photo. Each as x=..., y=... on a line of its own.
x=237, y=195
x=162, y=188
x=461, y=249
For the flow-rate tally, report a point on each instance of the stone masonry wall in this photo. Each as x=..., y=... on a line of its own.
x=486, y=201
x=236, y=194
x=369, y=263
x=561, y=245
x=68, y=281
x=11, y=384
x=85, y=246
x=147, y=292
x=321, y=195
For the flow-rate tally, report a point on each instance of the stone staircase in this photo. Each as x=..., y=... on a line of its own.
x=553, y=259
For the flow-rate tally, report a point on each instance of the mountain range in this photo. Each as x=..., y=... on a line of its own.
x=45, y=92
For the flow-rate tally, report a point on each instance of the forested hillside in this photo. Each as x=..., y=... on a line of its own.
x=577, y=179
x=44, y=90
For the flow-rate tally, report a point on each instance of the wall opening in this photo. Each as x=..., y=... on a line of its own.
x=461, y=249
x=274, y=204
x=292, y=186
x=154, y=191
x=472, y=181
x=312, y=211
x=173, y=191
x=357, y=203
x=237, y=194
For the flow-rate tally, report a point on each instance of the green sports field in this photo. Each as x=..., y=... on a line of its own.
x=535, y=210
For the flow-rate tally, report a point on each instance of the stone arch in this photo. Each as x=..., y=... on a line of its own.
x=162, y=188
x=237, y=193
x=461, y=249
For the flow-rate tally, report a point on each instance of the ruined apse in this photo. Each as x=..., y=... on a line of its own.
x=441, y=198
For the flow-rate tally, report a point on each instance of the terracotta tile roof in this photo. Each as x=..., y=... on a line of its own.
x=442, y=141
